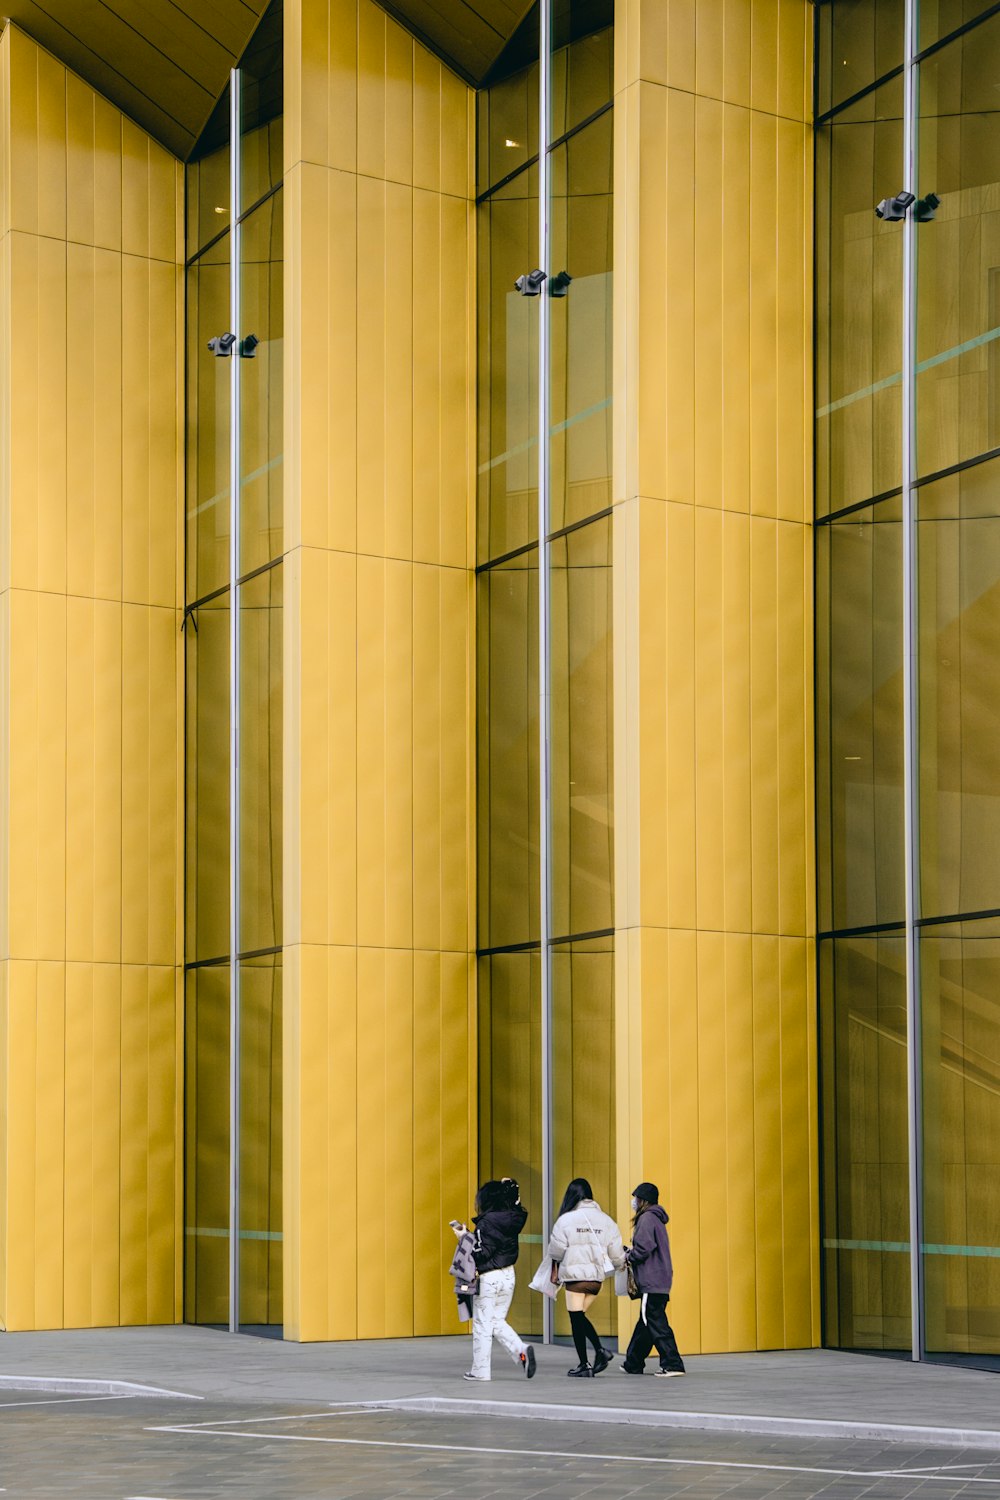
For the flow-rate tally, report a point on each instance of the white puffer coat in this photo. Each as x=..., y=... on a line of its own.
x=583, y=1240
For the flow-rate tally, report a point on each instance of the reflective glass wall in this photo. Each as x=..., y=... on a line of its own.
x=908, y=640
x=545, y=679
x=234, y=699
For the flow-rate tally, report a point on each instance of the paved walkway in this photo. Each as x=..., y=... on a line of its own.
x=809, y=1393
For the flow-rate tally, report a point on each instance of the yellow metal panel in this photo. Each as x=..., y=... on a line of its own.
x=735, y=309
x=375, y=1227
x=794, y=791
x=104, y=1253
x=374, y=361
x=94, y=423
x=710, y=50
x=767, y=1139
x=457, y=145
x=323, y=84
x=738, y=1116
x=399, y=49
x=397, y=1291
x=50, y=1114
x=679, y=412
x=371, y=93
x=427, y=133
x=430, y=1212
x=656, y=352
x=372, y=647
x=454, y=543
x=764, y=55
x=399, y=373
x=682, y=707
x=454, y=758
x=793, y=317
x=4, y=1045
x=736, y=722
x=713, y=1142
x=800, y=1151
x=149, y=431
x=764, y=412
x=764, y=768
x=38, y=140
x=427, y=790
x=736, y=45
x=709, y=720
x=658, y=841
x=684, y=1203
x=399, y=693
x=794, y=60
x=427, y=392
x=709, y=435
x=79, y=1227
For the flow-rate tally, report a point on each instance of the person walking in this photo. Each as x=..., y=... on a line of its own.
x=500, y=1217
x=586, y=1245
x=649, y=1257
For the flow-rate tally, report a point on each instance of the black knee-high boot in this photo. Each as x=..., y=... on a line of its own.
x=579, y=1323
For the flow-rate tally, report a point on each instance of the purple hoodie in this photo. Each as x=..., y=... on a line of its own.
x=650, y=1253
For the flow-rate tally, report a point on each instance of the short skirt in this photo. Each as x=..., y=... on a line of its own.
x=593, y=1287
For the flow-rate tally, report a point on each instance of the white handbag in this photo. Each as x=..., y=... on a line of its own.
x=542, y=1280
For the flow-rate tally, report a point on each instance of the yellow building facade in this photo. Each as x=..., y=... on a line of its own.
x=407, y=717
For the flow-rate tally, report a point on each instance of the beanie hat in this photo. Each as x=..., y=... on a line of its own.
x=647, y=1191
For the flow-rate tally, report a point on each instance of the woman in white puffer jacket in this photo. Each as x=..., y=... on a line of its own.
x=585, y=1243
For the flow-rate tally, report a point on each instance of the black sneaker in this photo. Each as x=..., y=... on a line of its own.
x=528, y=1362
x=601, y=1361
x=582, y=1371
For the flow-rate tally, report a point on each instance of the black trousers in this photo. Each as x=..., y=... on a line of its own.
x=653, y=1329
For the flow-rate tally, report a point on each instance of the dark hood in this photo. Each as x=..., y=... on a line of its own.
x=511, y=1220
x=661, y=1213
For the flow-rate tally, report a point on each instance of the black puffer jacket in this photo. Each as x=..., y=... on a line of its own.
x=496, y=1237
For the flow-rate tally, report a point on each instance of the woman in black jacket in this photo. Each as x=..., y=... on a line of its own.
x=500, y=1217
x=653, y=1269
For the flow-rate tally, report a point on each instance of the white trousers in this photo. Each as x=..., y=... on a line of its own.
x=489, y=1320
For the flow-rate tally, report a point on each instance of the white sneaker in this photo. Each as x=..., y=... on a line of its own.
x=470, y=1376
x=669, y=1374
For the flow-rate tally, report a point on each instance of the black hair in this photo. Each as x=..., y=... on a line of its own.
x=574, y=1195
x=496, y=1194
x=641, y=1206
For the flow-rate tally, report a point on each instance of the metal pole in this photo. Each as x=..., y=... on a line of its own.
x=544, y=635
x=911, y=726
x=234, y=706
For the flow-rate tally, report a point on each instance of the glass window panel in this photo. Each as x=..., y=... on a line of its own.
x=859, y=264
x=583, y=1089
x=859, y=41
x=261, y=386
x=207, y=799
x=581, y=324
x=582, y=838
x=260, y=1145
x=507, y=114
x=938, y=18
x=206, y=1146
x=261, y=602
x=960, y=1021
x=261, y=105
x=206, y=180
x=958, y=252
x=508, y=369
x=865, y=1153
x=510, y=1104
x=959, y=582
x=208, y=424
x=582, y=77
x=508, y=752
x=859, y=730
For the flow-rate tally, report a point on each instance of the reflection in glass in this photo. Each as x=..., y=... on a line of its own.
x=206, y=1146
x=859, y=721
x=206, y=180
x=260, y=1143
x=960, y=990
x=510, y=1102
x=583, y=1087
x=260, y=761
x=938, y=18
x=261, y=106
x=859, y=265
x=508, y=752
x=207, y=800
x=959, y=613
x=581, y=324
x=859, y=42
x=865, y=1154
x=582, y=61
x=208, y=402
x=508, y=123
x=261, y=386
x=582, y=731
x=508, y=369
x=958, y=252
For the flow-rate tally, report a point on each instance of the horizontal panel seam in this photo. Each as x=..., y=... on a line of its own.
x=415, y=187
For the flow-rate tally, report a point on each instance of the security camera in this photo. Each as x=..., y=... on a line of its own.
x=222, y=347
x=925, y=208
x=248, y=346
x=531, y=284
x=893, y=209
x=560, y=283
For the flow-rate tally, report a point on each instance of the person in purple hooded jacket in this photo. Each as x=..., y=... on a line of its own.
x=653, y=1270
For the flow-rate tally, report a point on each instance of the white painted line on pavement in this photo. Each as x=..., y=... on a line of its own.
x=65, y=1384
x=63, y=1401
x=581, y=1456
x=296, y=1416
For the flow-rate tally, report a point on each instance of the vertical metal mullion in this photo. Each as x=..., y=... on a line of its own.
x=234, y=706
x=544, y=644
x=911, y=795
